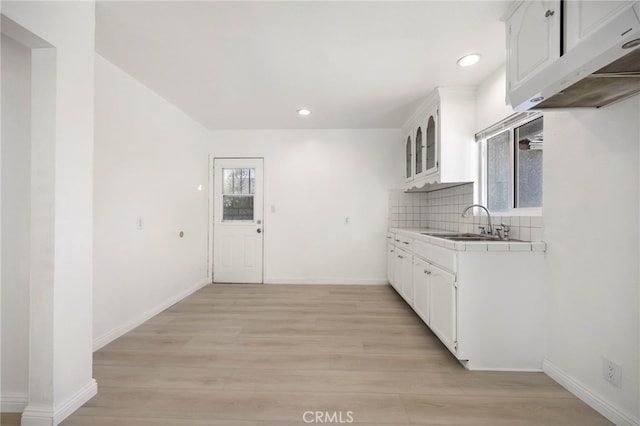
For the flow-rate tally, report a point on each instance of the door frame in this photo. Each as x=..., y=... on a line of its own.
x=210, y=222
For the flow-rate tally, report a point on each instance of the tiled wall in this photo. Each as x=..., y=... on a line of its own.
x=443, y=210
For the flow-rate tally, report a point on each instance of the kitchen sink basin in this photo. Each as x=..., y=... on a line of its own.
x=464, y=237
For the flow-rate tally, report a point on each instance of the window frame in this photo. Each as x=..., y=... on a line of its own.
x=509, y=124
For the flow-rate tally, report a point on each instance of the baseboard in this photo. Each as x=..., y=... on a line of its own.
x=112, y=335
x=618, y=416
x=76, y=401
x=325, y=281
x=13, y=402
x=43, y=415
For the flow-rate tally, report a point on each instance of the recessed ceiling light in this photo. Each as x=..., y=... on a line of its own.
x=304, y=111
x=469, y=60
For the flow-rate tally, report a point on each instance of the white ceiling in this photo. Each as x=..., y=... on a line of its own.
x=251, y=65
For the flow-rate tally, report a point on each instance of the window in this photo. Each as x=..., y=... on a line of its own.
x=238, y=189
x=511, y=163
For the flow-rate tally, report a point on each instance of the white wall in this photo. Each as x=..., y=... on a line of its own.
x=149, y=160
x=16, y=120
x=591, y=210
x=314, y=179
x=591, y=207
x=491, y=101
x=61, y=203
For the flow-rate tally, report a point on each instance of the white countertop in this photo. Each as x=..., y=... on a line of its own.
x=498, y=245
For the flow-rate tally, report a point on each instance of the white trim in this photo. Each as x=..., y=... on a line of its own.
x=116, y=332
x=71, y=404
x=37, y=416
x=43, y=415
x=13, y=402
x=326, y=281
x=615, y=414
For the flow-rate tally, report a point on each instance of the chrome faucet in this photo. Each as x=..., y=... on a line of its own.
x=490, y=230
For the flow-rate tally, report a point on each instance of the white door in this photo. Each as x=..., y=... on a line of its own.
x=237, y=220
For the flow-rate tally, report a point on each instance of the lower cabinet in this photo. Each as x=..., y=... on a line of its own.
x=487, y=307
x=421, y=297
x=443, y=306
x=391, y=259
x=403, y=275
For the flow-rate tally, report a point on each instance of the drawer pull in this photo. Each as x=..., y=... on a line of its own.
x=427, y=272
x=400, y=257
x=404, y=242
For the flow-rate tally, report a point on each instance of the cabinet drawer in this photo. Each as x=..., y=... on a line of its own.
x=439, y=256
x=404, y=242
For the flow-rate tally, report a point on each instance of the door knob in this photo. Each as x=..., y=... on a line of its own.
x=259, y=230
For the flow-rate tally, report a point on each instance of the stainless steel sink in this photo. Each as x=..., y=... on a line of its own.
x=464, y=237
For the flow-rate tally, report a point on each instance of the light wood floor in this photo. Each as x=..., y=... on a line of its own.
x=263, y=355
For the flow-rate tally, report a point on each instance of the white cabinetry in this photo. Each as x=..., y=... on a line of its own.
x=439, y=139
x=391, y=259
x=443, y=306
x=403, y=271
x=583, y=18
x=421, y=290
x=533, y=39
x=487, y=307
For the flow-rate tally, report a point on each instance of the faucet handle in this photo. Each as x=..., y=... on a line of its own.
x=482, y=230
x=505, y=231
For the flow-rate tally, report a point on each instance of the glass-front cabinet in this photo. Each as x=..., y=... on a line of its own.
x=419, y=148
x=408, y=153
x=438, y=145
x=431, y=160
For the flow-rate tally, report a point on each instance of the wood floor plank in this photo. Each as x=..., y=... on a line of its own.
x=263, y=355
x=507, y=411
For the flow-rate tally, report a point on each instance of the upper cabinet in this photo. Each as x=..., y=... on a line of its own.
x=583, y=18
x=574, y=55
x=533, y=39
x=439, y=140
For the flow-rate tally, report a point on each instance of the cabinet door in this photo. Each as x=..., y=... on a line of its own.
x=403, y=275
x=533, y=39
x=431, y=142
x=443, y=306
x=584, y=17
x=408, y=155
x=391, y=262
x=421, y=286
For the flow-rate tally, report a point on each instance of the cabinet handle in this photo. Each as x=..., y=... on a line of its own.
x=397, y=241
x=400, y=257
x=427, y=272
x=549, y=13
x=388, y=238
x=404, y=242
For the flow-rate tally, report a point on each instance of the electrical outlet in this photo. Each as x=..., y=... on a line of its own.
x=139, y=223
x=611, y=372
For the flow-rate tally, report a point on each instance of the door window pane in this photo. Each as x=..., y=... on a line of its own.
x=238, y=189
x=498, y=172
x=237, y=207
x=529, y=141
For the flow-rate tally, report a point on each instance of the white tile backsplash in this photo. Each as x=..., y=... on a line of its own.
x=443, y=210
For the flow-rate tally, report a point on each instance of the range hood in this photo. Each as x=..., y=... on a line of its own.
x=602, y=69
